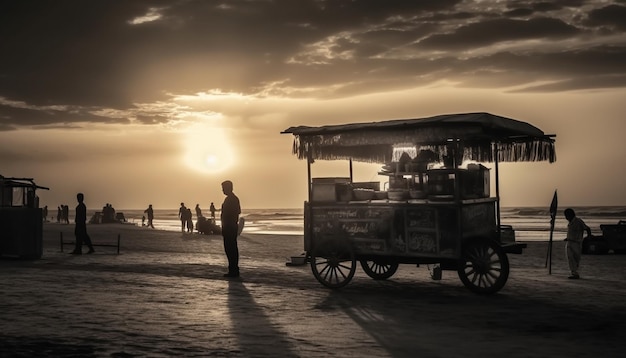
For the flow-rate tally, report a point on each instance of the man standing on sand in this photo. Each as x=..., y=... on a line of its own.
x=230, y=221
x=80, y=230
x=212, y=209
x=182, y=215
x=574, y=241
x=150, y=212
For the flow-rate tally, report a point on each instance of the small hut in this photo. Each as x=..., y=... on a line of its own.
x=21, y=219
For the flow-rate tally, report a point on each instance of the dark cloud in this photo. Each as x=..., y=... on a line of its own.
x=31, y=117
x=612, y=16
x=499, y=30
x=519, y=12
x=72, y=60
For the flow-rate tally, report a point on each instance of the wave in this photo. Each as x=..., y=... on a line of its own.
x=582, y=211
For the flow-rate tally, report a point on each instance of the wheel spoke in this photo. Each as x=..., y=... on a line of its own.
x=344, y=266
x=326, y=272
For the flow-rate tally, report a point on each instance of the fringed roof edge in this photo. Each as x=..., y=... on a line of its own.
x=521, y=149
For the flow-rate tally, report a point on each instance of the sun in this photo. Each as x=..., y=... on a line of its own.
x=207, y=149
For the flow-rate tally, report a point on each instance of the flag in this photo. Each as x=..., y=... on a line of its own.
x=554, y=205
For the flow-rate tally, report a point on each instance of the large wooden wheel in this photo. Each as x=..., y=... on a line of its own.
x=484, y=266
x=333, y=262
x=379, y=270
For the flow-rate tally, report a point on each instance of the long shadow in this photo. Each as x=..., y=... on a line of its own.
x=414, y=320
x=257, y=336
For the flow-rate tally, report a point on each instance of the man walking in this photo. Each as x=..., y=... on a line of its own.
x=80, y=230
x=230, y=221
x=574, y=241
x=150, y=212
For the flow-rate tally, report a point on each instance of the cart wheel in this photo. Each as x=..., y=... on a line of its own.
x=333, y=263
x=484, y=266
x=379, y=270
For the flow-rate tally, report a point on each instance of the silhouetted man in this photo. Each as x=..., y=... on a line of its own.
x=150, y=212
x=230, y=220
x=212, y=209
x=574, y=241
x=80, y=230
x=182, y=215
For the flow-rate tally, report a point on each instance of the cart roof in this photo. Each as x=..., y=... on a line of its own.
x=475, y=132
x=20, y=183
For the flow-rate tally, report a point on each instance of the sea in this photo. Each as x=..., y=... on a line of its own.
x=529, y=223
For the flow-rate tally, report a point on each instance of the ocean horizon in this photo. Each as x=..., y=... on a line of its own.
x=529, y=223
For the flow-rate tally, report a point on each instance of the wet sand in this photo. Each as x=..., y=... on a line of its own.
x=164, y=295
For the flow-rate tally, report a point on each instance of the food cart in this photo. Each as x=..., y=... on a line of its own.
x=21, y=221
x=436, y=207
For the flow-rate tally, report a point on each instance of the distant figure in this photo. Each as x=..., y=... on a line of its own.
x=80, y=230
x=198, y=211
x=231, y=209
x=143, y=220
x=44, y=213
x=59, y=214
x=66, y=213
x=108, y=214
x=212, y=209
x=574, y=241
x=150, y=212
x=182, y=215
x=189, y=221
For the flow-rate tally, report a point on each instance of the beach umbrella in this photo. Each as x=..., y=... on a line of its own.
x=553, y=208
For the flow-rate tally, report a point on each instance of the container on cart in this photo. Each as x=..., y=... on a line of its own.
x=438, y=208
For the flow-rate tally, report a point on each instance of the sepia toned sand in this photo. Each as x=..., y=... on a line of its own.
x=164, y=295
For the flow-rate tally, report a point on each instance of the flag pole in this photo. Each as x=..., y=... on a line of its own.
x=553, y=210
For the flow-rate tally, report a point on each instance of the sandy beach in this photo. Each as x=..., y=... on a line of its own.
x=164, y=295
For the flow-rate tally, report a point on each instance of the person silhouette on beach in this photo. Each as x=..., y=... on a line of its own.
x=574, y=241
x=150, y=213
x=212, y=209
x=80, y=229
x=198, y=211
x=189, y=221
x=44, y=213
x=231, y=208
x=66, y=213
x=182, y=215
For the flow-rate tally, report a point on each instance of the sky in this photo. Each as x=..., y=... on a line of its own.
x=157, y=102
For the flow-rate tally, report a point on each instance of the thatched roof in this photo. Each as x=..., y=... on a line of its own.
x=476, y=134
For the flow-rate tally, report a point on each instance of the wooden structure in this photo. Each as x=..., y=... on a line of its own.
x=434, y=211
x=21, y=220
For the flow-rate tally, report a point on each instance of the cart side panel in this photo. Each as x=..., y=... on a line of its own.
x=430, y=231
x=366, y=227
x=479, y=219
x=398, y=230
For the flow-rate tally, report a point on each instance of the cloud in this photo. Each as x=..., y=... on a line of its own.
x=124, y=62
x=491, y=32
x=611, y=16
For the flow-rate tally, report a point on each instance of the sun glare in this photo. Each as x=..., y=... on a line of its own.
x=207, y=149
